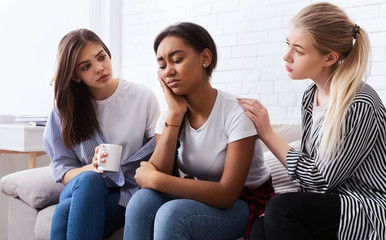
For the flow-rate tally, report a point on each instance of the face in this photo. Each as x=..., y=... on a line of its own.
x=180, y=66
x=302, y=59
x=93, y=67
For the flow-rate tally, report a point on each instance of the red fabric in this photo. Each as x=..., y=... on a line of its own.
x=257, y=199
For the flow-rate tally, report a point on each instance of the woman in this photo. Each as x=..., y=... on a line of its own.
x=218, y=147
x=93, y=108
x=341, y=165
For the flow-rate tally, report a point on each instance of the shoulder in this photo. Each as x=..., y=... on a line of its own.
x=228, y=102
x=132, y=89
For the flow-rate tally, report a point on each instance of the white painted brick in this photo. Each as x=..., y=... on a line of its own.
x=258, y=87
x=267, y=24
x=206, y=20
x=378, y=68
x=244, y=51
x=268, y=99
x=267, y=49
x=287, y=99
x=378, y=54
x=239, y=27
x=225, y=6
x=373, y=25
x=226, y=40
x=363, y=12
x=231, y=17
x=252, y=37
x=377, y=39
x=291, y=8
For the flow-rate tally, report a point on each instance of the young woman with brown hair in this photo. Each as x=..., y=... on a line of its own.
x=92, y=107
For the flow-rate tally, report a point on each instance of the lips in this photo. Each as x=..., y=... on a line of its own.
x=103, y=78
x=288, y=69
x=172, y=82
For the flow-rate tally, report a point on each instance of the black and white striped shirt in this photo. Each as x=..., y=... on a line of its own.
x=357, y=172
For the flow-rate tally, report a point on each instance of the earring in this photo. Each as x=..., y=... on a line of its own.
x=204, y=65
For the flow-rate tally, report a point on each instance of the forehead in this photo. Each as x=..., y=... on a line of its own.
x=170, y=44
x=89, y=51
x=296, y=36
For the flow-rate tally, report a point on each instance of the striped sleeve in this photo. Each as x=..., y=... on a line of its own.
x=319, y=175
x=62, y=159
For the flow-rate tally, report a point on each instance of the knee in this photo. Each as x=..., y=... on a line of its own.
x=172, y=214
x=92, y=181
x=141, y=204
x=91, y=178
x=277, y=209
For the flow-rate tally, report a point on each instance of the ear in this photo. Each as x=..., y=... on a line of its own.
x=332, y=58
x=206, y=57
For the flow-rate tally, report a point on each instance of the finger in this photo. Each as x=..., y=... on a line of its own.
x=250, y=101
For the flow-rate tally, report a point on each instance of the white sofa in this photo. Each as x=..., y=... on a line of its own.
x=35, y=194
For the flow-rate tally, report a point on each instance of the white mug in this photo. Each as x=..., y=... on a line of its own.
x=113, y=159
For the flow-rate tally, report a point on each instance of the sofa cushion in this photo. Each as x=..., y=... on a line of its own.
x=34, y=186
x=280, y=179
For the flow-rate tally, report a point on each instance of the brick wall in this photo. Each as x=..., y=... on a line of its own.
x=250, y=37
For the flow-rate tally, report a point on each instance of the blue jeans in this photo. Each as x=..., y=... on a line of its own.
x=154, y=215
x=86, y=209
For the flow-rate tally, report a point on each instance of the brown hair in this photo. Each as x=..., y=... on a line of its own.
x=195, y=36
x=73, y=99
x=331, y=30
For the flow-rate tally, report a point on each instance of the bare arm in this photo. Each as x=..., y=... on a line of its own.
x=220, y=194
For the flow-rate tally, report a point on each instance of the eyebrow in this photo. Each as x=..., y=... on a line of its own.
x=296, y=45
x=96, y=55
x=170, y=55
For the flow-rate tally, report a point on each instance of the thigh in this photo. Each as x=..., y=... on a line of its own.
x=189, y=219
x=302, y=215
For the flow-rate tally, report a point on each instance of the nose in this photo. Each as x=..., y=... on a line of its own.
x=99, y=67
x=287, y=56
x=169, y=70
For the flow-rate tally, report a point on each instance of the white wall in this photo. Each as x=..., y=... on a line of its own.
x=30, y=34
x=250, y=36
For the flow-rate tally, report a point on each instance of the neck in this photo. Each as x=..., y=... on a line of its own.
x=104, y=93
x=201, y=103
x=323, y=82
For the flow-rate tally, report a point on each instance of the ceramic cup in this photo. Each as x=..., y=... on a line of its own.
x=113, y=159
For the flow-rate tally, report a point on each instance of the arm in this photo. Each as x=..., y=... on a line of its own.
x=220, y=194
x=164, y=153
x=64, y=163
x=324, y=174
x=259, y=115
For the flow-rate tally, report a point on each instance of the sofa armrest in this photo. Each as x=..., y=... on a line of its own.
x=34, y=186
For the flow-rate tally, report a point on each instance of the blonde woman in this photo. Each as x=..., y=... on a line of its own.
x=341, y=165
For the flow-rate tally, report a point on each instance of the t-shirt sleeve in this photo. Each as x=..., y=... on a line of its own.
x=239, y=125
x=153, y=114
x=159, y=127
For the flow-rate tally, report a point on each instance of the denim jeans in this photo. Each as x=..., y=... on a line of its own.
x=299, y=215
x=86, y=209
x=154, y=215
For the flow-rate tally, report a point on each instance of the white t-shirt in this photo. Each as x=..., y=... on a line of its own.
x=121, y=116
x=202, y=152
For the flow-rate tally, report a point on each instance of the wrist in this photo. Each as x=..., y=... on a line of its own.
x=174, y=119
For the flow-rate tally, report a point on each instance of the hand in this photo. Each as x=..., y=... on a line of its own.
x=144, y=175
x=258, y=114
x=94, y=164
x=177, y=104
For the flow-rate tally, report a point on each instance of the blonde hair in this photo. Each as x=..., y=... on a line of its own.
x=332, y=31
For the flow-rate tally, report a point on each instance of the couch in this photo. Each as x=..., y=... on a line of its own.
x=35, y=194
